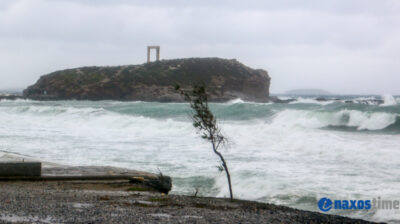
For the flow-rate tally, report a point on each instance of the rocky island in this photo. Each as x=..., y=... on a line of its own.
x=225, y=80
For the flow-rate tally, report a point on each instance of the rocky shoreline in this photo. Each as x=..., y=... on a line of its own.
x=102, y=202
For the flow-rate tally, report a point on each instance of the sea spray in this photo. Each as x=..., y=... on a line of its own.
x=388, y=100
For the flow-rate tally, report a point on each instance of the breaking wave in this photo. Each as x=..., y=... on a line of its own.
x=349, y=119
x=306, y=113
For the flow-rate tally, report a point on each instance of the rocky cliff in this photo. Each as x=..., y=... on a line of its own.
x=155, y=81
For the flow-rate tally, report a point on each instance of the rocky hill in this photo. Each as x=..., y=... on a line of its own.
x=155, y=81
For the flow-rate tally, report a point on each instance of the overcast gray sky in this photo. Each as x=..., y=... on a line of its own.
x=343, y=46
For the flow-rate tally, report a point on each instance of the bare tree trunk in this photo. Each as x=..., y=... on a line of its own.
x=228, y=175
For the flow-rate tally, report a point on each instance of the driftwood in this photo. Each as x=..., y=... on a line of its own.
x=161, y=183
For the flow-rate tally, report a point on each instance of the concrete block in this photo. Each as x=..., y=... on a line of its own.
x=17, y=169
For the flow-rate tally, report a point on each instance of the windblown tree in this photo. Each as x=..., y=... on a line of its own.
x=205, y=122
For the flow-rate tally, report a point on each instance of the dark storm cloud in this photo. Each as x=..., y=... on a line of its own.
x=342, y=46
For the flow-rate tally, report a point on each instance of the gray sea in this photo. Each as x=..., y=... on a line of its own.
x=343, y=147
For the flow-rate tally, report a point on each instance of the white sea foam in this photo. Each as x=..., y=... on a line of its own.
x=286, y=159
x=312, y=101
x=238, y=100
x=284, y=97
x=369, y=100
x=349, y=118
x=388, y=100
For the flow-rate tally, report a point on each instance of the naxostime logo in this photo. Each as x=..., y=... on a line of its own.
x=326, y=204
